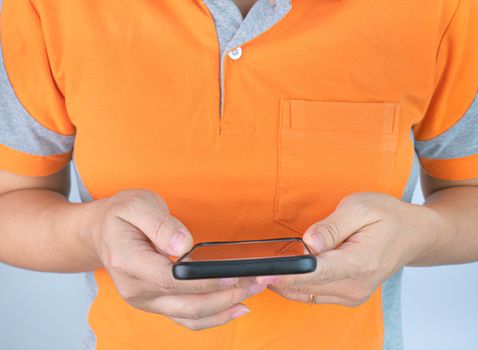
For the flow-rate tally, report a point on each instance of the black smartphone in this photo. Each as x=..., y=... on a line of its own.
x=278, y=256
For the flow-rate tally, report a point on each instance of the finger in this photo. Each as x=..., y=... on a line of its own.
x=305, y=297
x=216, y=320
x=167, y=233
x=332, y=265
x=171, y=236
x=350, y=291
x=148, y=212
x=335, y=288
x=349, y=217
x=153, y=268
x=197, y=306
x=133, y=289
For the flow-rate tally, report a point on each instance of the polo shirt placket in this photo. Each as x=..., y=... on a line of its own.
x=234, y=31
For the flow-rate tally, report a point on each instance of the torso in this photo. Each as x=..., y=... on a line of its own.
x=318, y=106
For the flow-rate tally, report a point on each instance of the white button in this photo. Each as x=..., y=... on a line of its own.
x=236, y=53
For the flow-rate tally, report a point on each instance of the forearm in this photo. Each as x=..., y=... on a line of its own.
x=456, y=229
x=40, y=230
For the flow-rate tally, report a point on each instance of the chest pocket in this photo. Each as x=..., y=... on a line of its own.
x=327, y=150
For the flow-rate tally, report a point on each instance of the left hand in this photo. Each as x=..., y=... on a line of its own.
x=368, y=238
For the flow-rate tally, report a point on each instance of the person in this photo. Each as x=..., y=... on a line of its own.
x=200, y=120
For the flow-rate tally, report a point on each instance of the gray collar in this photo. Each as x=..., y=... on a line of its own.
x=233, y=30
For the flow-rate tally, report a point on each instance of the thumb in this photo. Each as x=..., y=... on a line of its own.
x=334, y=229
x=167, y=234
x=171, y=236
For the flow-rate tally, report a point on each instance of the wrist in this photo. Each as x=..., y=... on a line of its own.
x=79, y=218
x=91, y=217
x=430, y=233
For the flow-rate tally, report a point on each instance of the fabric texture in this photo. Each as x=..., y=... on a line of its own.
x=267, y=139
x=447, y=137
x=19, y=131
x=36, y=135
x=461, y=140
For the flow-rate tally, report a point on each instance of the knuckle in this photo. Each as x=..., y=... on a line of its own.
x=289, y=293
x=241, y=294
x=161, y=201
x=127, y=294
x=132, y=199
x=127, y=192
x=355, y=302
x=235, y=297
x=130, y=202
x=157, y=228
x=297, y=297
x=355, y=297
x=165, y=283
x=219, y=321
x=372, y=267
x=191, y=325
x=143, y=194
x=293, y=282
x=128, y=195
x=115, y=205
x=358, y=296
x=374, y=211
x=326, y=274
x=292, y=290
x=138, y=198
x=353, y=199
x=367, y=269
x=122, y=194
x=194, y=327
x=351, y=303
x=117, y=263
x=207, y=285
x=366, y=209
x=363, y=204
x=195, y=313
x=331, y=231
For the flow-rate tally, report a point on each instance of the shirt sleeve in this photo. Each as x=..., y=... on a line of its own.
x=447, y=137
x=36, y=135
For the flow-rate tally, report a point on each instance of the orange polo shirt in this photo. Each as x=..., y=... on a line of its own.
x=248, y=128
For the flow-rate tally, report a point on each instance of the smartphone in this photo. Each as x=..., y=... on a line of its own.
x=278, y=256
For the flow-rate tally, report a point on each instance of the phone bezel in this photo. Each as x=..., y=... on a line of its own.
x=244, y=267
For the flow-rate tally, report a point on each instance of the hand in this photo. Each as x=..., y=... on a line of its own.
x=133, y=235
x=369, y=237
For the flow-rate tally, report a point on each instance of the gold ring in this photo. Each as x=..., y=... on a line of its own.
x=312, y=299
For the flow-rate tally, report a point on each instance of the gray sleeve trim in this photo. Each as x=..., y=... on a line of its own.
x=391, y=288
x=414, y=175
x=459, y=141
x=19, y=131
x=84, y=194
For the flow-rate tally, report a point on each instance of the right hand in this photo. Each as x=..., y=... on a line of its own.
x=133, y=235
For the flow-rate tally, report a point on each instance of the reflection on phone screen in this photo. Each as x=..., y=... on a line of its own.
x=247, y=250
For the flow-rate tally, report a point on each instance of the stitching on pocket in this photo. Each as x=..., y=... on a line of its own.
x=392, y=126
x=278, y=161
x=283, y=105
x=336, y=116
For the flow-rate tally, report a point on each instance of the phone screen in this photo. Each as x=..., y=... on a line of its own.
x=247, y=250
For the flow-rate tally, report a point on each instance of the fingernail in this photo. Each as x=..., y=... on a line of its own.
x=267, y=279
x=178, y=240
x=242, y=311
x=316, y=242
x=256, y=289
x=230, y=281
